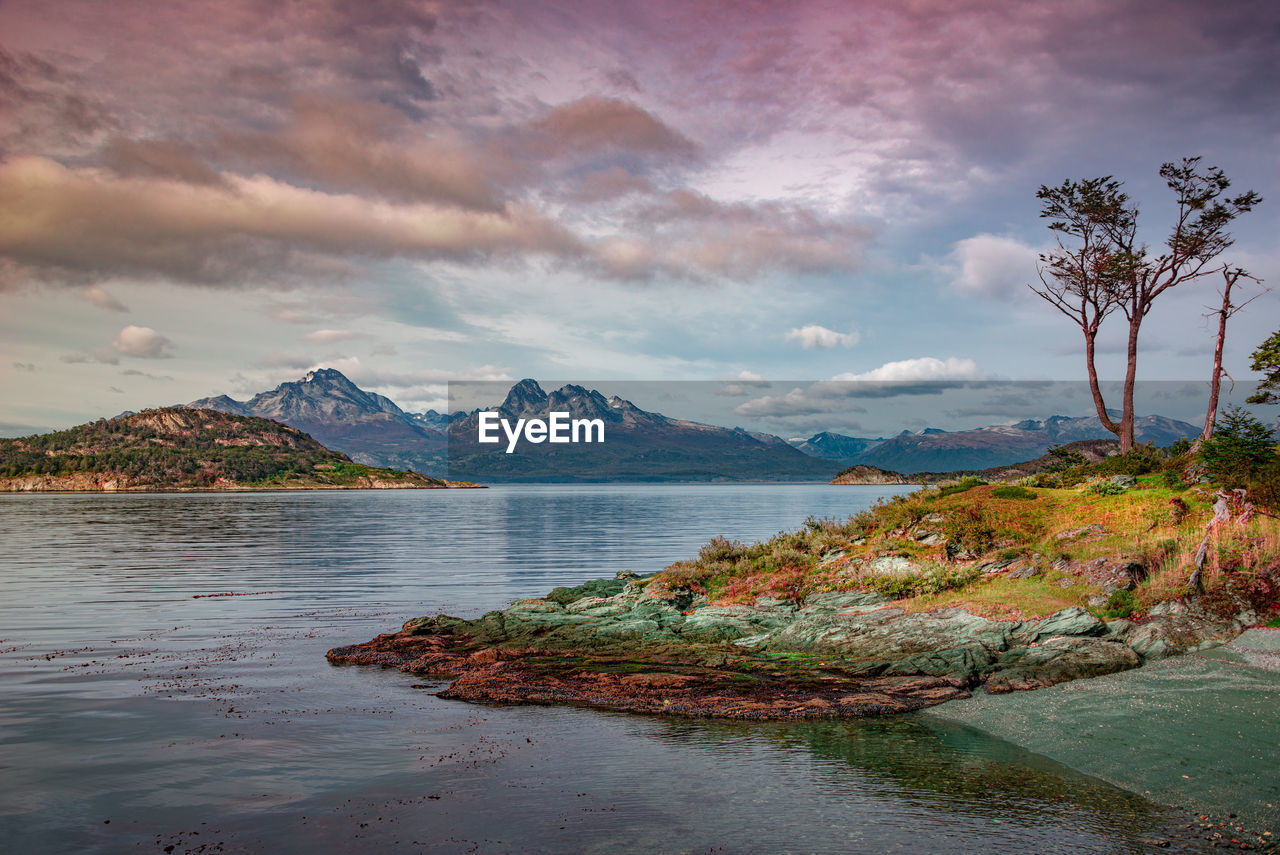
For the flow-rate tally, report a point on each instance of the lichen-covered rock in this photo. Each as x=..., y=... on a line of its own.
x=1058, y=660
x=772, y=659
x=887, y=635
x=594, y=588
x=1074, y=621
x=892, y=565
x=1178, y=628
x=1085, y=531
x=1113, y=575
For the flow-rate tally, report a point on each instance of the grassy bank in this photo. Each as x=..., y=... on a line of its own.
x=1006, y=551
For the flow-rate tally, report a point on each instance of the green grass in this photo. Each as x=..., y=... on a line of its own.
x=1009, y=491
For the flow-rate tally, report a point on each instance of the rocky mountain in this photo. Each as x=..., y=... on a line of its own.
x=639, y=446
x=182, y=448
x=836, y=446
x=367, y=426
x=934, y=450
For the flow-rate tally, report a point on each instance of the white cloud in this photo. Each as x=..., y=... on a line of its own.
x=142, y=342
x=925, y=375
x=924, y=368
x=992, y=266
x=103, y=300
x=329, y=336
x=813, y=337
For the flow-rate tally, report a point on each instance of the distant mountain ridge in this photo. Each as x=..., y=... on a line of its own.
x=639, y=446
x=935, y=450
x=643, y=445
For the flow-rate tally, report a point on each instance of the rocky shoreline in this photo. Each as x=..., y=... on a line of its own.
x=626, y=644
x=92, y=482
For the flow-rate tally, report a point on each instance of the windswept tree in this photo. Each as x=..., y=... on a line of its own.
x=1101, y=265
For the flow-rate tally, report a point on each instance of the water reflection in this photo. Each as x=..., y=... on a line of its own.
x=127, y=698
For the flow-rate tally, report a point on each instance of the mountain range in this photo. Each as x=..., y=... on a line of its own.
x=934, y=450
x=365, y=426
x=640, y=445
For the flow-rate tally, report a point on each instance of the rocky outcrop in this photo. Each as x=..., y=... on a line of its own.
x=624, y=644
x=869, y=475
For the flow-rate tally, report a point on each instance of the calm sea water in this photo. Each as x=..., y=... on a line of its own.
x=142, y=709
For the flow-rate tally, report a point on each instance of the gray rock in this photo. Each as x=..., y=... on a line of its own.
x=1126, y=481
x=598, y=606
x=893, y=565
x=1168, y=607
x=990, y=568
x=1170, y=634
x=836, y=600
x=1082, y=531
x=1120, y=628
x=889, y=634
x=1111, y=576
x=1023, y=569
x=1058, y=660
x=927, y=537
x=594, y=588
x=1074, y=621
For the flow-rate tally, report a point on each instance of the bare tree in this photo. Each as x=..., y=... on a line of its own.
x=1230, y=276
x=1100, y=264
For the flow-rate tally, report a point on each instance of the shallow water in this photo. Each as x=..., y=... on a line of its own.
x=141, y=711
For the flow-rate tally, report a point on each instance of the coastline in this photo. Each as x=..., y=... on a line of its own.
x=111, y=485
x=630, y=645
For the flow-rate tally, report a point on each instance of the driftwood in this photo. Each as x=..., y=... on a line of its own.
x=1223, y=506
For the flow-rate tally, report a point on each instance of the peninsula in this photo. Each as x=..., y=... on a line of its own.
x=921, y=599
x=181, y=449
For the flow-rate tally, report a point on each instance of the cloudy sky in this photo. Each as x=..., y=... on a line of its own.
x=204, y=198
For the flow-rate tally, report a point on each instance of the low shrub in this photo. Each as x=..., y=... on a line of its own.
x=720, y=548
x=960, y=486
x=1121, y=604
x=1139, y=460
x=933, y=581
x=969, y=527
x=1264, y=487
x=1009, y=491
x=1062, y=459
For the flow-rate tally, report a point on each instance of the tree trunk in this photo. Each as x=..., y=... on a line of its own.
x=1090, y=337
x=1215, y=380
x=1130, y=376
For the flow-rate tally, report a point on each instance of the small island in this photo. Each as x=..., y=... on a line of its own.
x=177, y=449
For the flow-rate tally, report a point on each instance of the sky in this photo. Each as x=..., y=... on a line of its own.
x=201, y=199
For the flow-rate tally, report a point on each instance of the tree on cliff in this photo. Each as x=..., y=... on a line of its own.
x=1100, y=266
